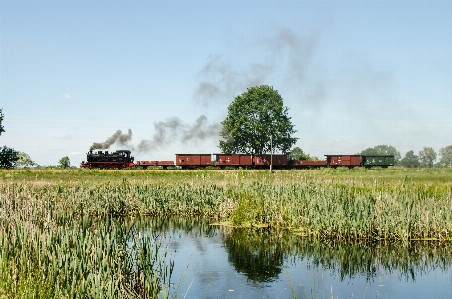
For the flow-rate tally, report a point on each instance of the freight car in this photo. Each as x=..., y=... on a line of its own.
x=377, y=160
x=248, y=160
x=118, y=159
x=193, y=160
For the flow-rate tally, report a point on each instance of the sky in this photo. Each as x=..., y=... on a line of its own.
x=354, y=74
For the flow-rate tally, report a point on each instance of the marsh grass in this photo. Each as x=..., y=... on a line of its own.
x=49, y=250
x=64, y=233
x=342, y=204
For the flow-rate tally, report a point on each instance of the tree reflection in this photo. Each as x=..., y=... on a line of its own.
x=261, y=253
x=254, y=253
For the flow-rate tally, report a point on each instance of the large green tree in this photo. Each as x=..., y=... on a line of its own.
x=410, y=160
x=257, y=120
x=446, y=155
x=383, y=150
x=427, y=156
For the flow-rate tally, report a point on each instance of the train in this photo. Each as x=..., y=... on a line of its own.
x=121, y=159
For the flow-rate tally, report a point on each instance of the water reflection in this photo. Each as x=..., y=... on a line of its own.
x=254, y=253
x=268, y=259
x=259, y=254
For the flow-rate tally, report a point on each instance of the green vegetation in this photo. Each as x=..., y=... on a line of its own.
x=65, y=233
x=257, y=123
x=297, y=154
x=393, y=204
x=25, y=161
x=53, y=248
x=427, y=156
x=8, y=157
x=64, y=162
x=2, y=129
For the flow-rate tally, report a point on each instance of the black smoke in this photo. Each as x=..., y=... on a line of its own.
x=166, y=132
x=117, y=137
x=175, y=130
x=285, y=52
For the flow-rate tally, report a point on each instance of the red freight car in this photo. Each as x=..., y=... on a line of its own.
x=235, y=160
x=343, y=160
x=266, y=160
x=196, y=160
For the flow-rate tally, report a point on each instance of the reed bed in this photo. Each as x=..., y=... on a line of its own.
x=49, y=250
x=69, y=237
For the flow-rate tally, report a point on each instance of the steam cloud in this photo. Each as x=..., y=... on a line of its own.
x=166, y=133
x=117, y=137
x=174, y=129
x=286, y=51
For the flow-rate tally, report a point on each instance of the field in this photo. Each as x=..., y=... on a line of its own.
x=68, y=233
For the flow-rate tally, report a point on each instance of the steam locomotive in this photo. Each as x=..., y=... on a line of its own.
x=118, y=160
x=122, y=159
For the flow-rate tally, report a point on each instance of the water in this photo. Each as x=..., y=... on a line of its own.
x=220, y=262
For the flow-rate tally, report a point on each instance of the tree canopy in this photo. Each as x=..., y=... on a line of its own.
x=257, y=121
x=446, y=155
x=1, y=121
x=298, y=154
x=427, y=155
x=25, y=161
x=64, y=162
x=8, y=157
x=410, y=160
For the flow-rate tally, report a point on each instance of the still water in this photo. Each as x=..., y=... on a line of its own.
x=220, y=262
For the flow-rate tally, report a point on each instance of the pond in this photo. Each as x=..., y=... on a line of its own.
x=221, y=262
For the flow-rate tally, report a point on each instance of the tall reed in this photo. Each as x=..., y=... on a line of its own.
x=70, y=238
x=49, y=250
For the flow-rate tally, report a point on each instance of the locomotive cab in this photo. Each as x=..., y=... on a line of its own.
x=125, y=156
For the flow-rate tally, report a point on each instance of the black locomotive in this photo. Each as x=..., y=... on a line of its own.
x=118, y=159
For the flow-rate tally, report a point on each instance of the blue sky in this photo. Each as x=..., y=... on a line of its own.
x=354, y=74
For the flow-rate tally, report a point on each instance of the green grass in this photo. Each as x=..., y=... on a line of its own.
x=64, y=233
x=392, y=204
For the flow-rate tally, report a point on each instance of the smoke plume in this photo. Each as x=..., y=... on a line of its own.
x=174, y=129
x=285, y=52
x=166, y=132
x=117, y=137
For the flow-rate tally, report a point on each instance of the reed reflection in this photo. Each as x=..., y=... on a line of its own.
x=260, y=253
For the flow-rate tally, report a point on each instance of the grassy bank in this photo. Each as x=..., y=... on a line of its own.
x=391, y=204
x=65, y=233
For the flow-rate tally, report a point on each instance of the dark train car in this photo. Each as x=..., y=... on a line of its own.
x=265, y=160
x=307, y=164
x=377, y=160
x=193, y=160
x=145, y=164
x=343, y=160
x=118, y=159
x=233, y=160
